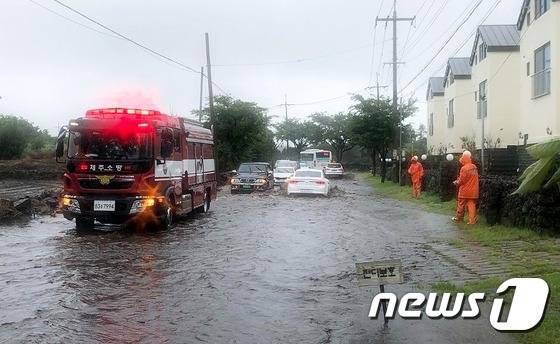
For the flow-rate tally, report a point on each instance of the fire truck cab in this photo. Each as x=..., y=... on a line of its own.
x=135, y=165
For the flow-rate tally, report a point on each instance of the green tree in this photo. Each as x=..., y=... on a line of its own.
x=415, y=140
x=374, y=126
x=18, y=135
x=241, y=132
x=334, y=131
x=294, y=131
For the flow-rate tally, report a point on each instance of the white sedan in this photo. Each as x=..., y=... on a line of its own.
x=308, y=182
x=334, y=170
x=282, y=174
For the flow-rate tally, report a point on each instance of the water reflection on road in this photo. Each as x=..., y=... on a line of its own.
x=258, y=268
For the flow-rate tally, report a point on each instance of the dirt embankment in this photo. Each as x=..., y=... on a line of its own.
x=29, y=188
x=29, y=169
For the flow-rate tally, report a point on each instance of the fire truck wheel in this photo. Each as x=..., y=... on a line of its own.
x=167, y=218
x=84, y=224
x=206, y=206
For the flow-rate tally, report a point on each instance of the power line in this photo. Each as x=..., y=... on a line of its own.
x=140, y=45
x=382, y=47
x=425, y=16
x=127, y=38
x=299, y=60
x=444, y=64
x=72, y=20
x=436, y=16
x=444, y=45
x=450, y=27
x=373, y=50
x=327, y=100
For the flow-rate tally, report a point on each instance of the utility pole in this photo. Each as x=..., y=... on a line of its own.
x=209, y=69
x=378, y=87
x=286, y=108
x=398, y=138
x=201, y=95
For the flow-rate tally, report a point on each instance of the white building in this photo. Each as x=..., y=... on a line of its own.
x=437, y=119
x=539, y=27
x=459, y=104
x=495, y=85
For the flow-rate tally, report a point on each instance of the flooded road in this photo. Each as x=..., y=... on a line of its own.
x=259, y=268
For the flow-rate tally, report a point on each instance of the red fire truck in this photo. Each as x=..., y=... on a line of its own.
x=135, y=165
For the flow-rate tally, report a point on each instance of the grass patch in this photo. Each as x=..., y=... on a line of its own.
x=527, y=260
x=481, y=232
x=548, y=332
x=390, y=189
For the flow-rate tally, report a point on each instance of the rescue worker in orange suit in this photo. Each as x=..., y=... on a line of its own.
x=468, y=189
x=416, y=171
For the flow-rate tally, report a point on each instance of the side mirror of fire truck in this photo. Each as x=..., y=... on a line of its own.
x=59, y=149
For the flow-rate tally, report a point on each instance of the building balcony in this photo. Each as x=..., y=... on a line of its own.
x=541, y=83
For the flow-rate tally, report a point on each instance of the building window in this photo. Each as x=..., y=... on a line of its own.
x=541, y=78
x=451, y=79
x=528, y=68
x=529, y=18
x=541, y=6
x=431, y=125
x=451, y=114
x=482, y=50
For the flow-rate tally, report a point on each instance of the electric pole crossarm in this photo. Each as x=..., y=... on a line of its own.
x=395, y=19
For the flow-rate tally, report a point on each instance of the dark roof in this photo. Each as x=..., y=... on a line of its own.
x=496, y=38
x=435, y=84
x=459, y=66
x=499, y=35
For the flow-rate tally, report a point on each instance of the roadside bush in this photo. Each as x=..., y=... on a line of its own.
x=536, y=210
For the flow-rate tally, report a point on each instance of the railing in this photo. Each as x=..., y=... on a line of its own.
x=541, y=83
x=481, y=109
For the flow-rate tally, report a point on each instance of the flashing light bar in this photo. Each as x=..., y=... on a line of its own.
x=121, y=111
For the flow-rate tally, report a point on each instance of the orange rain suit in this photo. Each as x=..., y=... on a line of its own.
x=416, y=171
x=468, y=190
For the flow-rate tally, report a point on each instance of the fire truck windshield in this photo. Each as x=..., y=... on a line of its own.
x=109, y=145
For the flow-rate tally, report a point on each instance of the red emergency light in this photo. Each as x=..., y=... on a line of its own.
x=83, y=167
x=121, y=111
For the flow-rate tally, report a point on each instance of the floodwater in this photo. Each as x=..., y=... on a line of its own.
x=261, y=268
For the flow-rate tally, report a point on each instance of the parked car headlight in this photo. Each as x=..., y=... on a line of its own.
x=234, y=181
x=261, y=181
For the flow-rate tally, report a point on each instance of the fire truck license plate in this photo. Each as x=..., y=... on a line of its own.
x=104, y=205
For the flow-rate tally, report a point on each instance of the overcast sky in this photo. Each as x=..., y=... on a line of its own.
x=52, y=69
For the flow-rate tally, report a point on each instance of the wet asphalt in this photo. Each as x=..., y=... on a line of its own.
x=259, y=268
